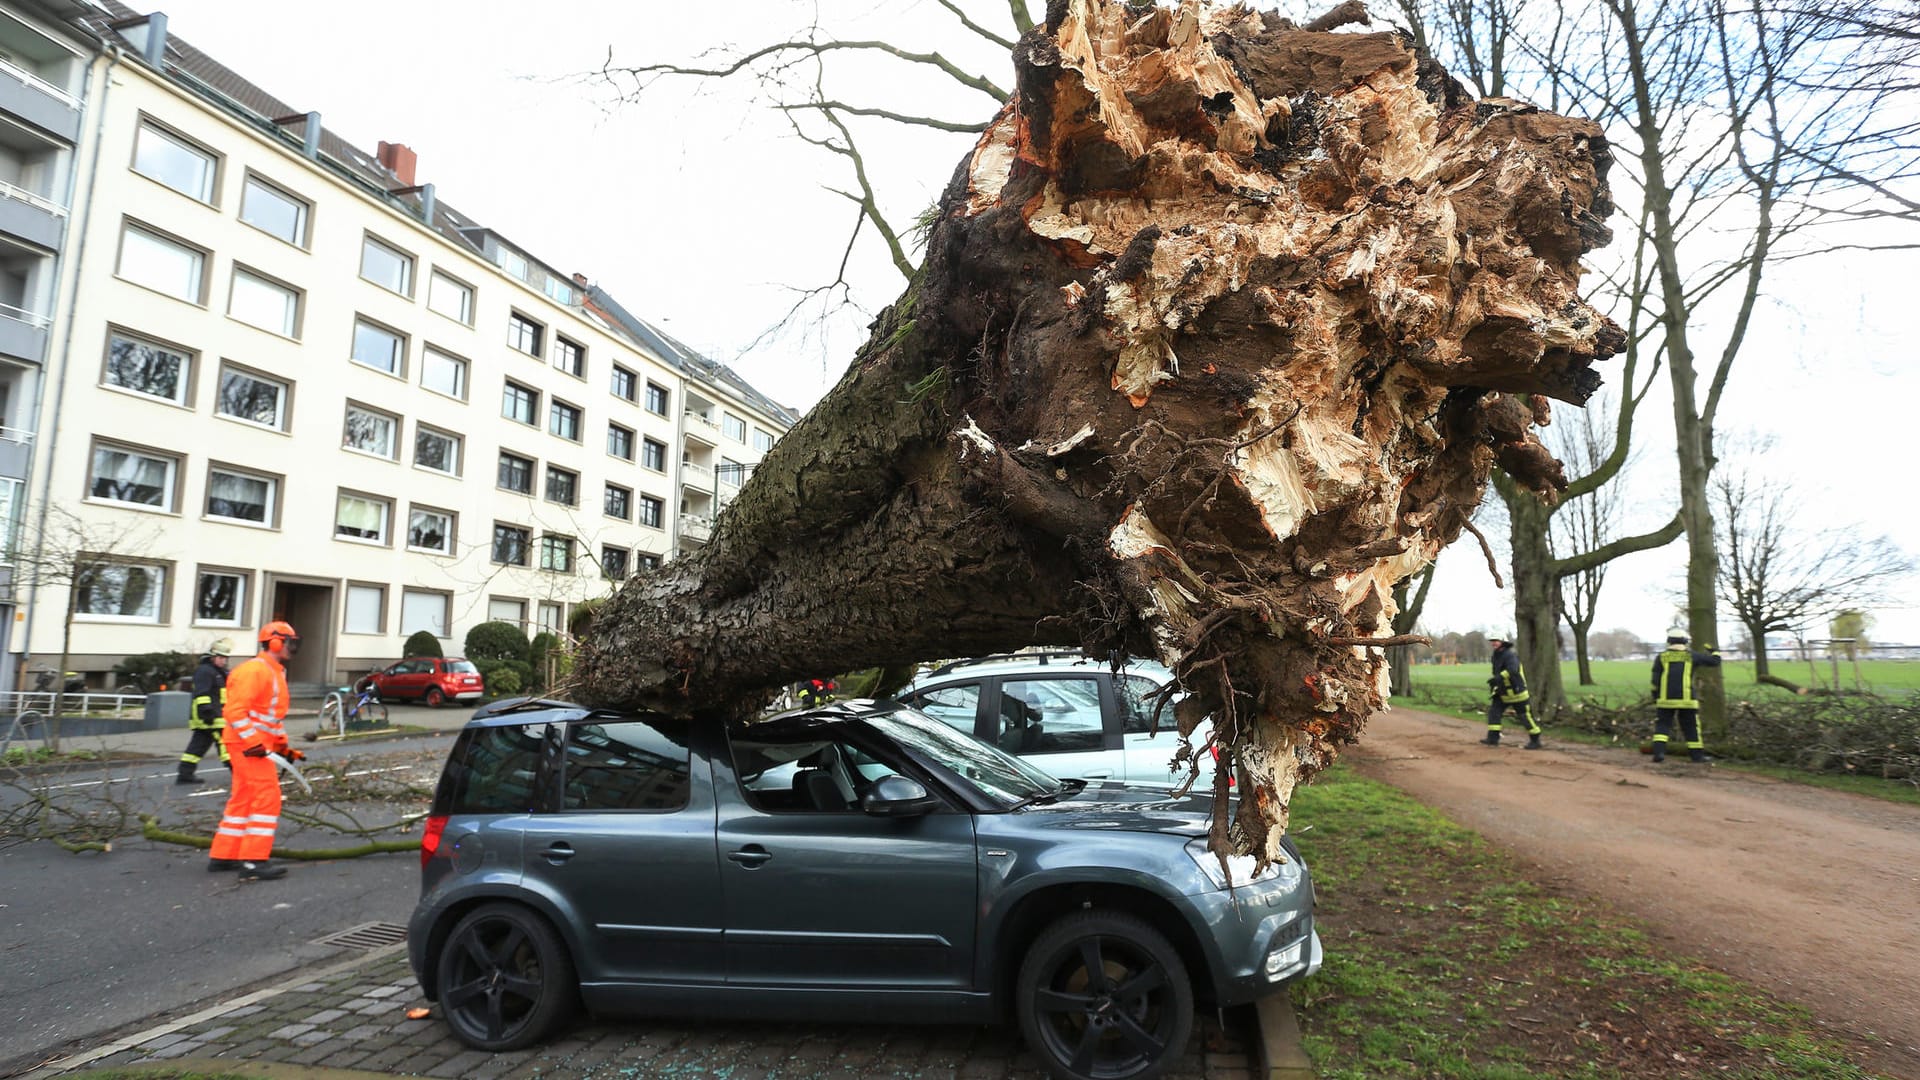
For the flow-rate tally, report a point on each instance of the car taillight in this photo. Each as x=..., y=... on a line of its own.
x=430, y=839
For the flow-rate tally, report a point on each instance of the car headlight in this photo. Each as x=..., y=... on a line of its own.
x=1286, y=874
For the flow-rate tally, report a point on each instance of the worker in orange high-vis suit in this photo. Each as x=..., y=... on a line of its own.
x=255, y=711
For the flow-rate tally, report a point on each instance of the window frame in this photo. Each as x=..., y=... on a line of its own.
x=632, y=379
x=446, y=611
x=626, y=562
x=647, y=445
x=570, y=759
x=760, y=435
x=294, y=320
x=163, y=594
x=531, y=463
x=472, y=296
x=547, y=540
x=286, y=397
x=251, y=179
x=556, y=407
x=606, y=498
x=525, y=534
x=409, y=262
x=660, y=511
x=453, y=530
x=459, y=449
x=174, y=461
x=403, y=347
x=346, y=608
x=430, y=352
x=276, y=487
x=534, y=398
x=202, y=286
x=189, y=374
x=563, y=344
x=632, y=438
x=399, y=426
x=653, y=390
x=241, y=610
x=216, y=161
x=573, y=479
x=517, y=325
x=728, y=422
x=385, y=540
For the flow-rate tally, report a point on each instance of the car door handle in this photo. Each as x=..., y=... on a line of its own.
x=753, y=856
x=1103, y=774
x=557, y=852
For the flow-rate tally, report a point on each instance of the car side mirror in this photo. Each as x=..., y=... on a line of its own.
x=898, y=796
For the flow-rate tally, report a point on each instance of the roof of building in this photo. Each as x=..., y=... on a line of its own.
x=255, y=106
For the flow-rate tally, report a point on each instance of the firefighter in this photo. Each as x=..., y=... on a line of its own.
x=815, y=692
x=1673, y=694
x=206, y=719
x=1509, y=689
x=255, y=710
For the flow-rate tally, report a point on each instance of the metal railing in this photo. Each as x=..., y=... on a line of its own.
x=696, y=526
x=15, y=191
x=15, y=435
x=39, y=84
x=697, y=475
x=31, y=318
x=78, y=703
x=703, y=420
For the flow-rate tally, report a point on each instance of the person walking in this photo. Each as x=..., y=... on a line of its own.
x=1673, y=698
x=255, y=711
x=1509, y=688
x=206, y=720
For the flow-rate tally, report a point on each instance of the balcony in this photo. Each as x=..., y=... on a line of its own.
x=703, y=427
x=23, y=333
x=38, y=101
x=16, y=453
x=696, y=527
x=30, y=217
x=696, y=476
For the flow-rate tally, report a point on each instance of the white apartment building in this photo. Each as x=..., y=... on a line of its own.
x=290, y=382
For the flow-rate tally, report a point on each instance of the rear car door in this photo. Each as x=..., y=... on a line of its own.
x=1058, y=722
x=956, y=705
x=629, y=849
x=819, y=893
x=1151, y=740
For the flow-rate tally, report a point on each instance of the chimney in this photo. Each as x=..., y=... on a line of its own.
x=399, y=161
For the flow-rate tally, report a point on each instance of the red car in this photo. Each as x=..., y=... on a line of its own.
x=430, y=679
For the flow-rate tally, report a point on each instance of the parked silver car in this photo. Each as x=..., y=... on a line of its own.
x=1072, y=716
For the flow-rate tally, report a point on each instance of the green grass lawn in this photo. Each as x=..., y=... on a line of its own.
x=1444, y=961
x=1619, y=682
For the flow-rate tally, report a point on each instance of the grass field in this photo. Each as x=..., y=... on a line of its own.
x=1618, y=682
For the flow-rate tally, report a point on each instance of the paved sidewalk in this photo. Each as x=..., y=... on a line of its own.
x=169, y=742
x=355, y=1018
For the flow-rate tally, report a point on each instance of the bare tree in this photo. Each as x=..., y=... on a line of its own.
x=1410, y=596
x=1776, y=578
x=1586, y=522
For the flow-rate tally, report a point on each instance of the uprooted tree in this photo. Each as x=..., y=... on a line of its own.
x=1220, y=329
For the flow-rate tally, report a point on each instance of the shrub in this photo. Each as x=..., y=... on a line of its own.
x=497, y=641
x=421, y=643
x=148, y=672
x=492, y=670
x=504, y=682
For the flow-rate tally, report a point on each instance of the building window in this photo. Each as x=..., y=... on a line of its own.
x=564, y=420
x=163, y=265
x=734, y=427
x=436, y=450
x=430, y=530
x=653, y=454
x=146, y=368
x=386, y=266
x=371, y=432
x=652, y=511
x=450, y=297
x=269, y=305
x=421, y=610
x=129, y=476
x=135, y=592
x=570, y=357
x=507, y=611
x=657, y=399
x=273, y=211
x=524, y=334
x=366, y=609
x=762, y=440
x=620, y=442
x=559, y=291
x=443, y=373
x=233, y=495
x=644, y=561
x=379, y=348
x=624, y=383
x=175, y=162
x=613, y=562
x=619, y=502
x=520, y=403
x=220, y=598
x=510, y=543
x=516, y=473
x=563, y=486
x=731, y=472
x=256, y=400
x=556, y=554
x=363, y=518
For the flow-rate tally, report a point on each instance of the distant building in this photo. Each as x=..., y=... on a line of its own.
x=312, y=390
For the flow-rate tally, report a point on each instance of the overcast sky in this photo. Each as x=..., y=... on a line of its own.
x=698, y=209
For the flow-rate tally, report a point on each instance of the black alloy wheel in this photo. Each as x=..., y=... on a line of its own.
x=505, y=978
x=1104, y=996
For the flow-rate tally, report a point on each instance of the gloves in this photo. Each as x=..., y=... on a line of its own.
x=1493, y=683
x=283, y=749
x=294, y=755
x=254, y=751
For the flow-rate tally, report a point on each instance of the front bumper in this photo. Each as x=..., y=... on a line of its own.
x=1261, y=939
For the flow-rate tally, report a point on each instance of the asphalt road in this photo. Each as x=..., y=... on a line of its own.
x=91, y=943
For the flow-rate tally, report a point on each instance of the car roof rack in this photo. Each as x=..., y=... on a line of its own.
x=1042, y=657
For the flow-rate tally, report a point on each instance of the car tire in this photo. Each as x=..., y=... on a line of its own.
x=1102, y=995
x=505, y=979
x=434, y=697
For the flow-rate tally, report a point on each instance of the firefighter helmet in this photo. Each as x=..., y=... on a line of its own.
x=223, y=647
x=1677, y=635
x=280, y=638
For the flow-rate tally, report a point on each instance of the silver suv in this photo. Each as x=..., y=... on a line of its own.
x=1073, y=716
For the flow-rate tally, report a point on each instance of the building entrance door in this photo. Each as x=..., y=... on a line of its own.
x=308, y=605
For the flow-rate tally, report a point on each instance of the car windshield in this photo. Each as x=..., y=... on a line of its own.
x=462, y=667
x=1002, y=778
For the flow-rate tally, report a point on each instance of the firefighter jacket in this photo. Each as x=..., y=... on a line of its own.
x=1509, y=682
x=1673, y=676
x=209, y=694
x=256, y=704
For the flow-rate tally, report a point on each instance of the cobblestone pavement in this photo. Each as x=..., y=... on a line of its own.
x=356, y=1019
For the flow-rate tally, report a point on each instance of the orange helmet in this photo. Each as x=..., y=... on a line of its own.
x=279, y=637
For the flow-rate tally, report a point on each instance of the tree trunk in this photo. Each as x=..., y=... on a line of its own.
x=1762, y=668
x=1400, y=661
x=1580, y=655
x=1196, y=367
x=1536, y=598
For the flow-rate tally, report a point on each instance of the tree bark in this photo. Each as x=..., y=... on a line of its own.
x=1536, y=598
x=1198, y=365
